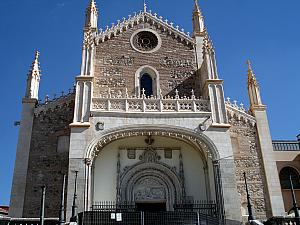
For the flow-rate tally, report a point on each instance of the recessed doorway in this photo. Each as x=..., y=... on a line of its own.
x=151, y=207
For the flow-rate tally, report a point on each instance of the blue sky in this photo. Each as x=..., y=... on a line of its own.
x=266, y=32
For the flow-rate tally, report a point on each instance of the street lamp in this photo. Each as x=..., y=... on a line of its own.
x=74, y=206
x=62, y=207
x=295, y=207
x=249, y=206
x=42, y=211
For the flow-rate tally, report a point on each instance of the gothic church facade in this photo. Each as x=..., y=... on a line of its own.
x=148, y=124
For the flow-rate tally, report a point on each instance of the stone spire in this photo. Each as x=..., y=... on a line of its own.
x=253, y=89
x=91, y=20
x=33, y=79
x=198, y=21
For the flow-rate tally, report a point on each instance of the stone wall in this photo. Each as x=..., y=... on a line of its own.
x=116, y=64
x=247, y=159
x=49, y=154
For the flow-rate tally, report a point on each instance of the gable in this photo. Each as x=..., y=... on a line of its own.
x=118, y=59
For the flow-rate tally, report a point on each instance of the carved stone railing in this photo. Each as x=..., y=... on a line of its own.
x=150, y=105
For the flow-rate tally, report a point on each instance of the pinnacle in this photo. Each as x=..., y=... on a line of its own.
x=249, y=65
x=37, y=55
x=35, y=64
x=250, y=70
x=92, y=2
x=251, y=76
x=92, y=5
x=196, y=7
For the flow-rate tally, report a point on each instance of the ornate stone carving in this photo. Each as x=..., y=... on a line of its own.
x=110, y=82
x=99, y=126
x=197, y=139
x=167, y=62
x=149, y=156
x=181, y=74
x=149, y=189
x=115, y=71
x=145, y=41
x=123, y=60
x=88, y=38
x=155, y=20
x=131, y=153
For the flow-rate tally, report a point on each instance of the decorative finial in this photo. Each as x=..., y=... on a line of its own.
x=251, y=76
x=91, y=15
x=37, y=55
x=249, y=65
x=196, y=4
x=198, y=21
x=145, y=6
x=253, y=89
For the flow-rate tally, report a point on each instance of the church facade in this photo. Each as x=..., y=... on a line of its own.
x=147, y=124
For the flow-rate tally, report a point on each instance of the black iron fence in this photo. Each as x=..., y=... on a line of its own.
x=204, y=207
x=108, y=206
x=147, y=218
x=282, y=221
x=27, y=221
x=126, y=213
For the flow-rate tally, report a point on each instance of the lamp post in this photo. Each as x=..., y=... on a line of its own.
x=42, y=211
x=62, y=207
x=74, y=206
x=295, y=207
x=249, y=206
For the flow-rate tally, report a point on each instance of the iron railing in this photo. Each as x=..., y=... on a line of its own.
x=126, y=213
x=146, y=218
x=110, y=206
x=282, y=221
x=204, y=207
x=27, y=221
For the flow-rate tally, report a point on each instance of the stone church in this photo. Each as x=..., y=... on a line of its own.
x=147, y=124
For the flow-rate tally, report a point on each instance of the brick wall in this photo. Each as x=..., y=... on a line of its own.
x=110, y=71
x=47, y=163
x=247, y=159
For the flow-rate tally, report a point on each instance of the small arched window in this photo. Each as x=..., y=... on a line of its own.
x=284, y=177
x=146, y=84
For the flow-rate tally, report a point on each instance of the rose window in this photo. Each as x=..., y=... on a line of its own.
x=145, y=41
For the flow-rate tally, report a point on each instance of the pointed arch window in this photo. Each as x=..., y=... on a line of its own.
x=146, y=84
x=284, y=177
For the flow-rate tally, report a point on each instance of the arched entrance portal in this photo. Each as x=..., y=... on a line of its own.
x=151, y=181
x=155, y=167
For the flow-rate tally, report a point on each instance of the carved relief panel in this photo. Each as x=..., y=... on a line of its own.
x=142, y=176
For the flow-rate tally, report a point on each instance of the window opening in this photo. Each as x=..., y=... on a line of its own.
x=146, y=85
x=285, y=178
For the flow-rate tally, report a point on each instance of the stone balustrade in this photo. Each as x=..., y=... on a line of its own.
x=150, y=104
